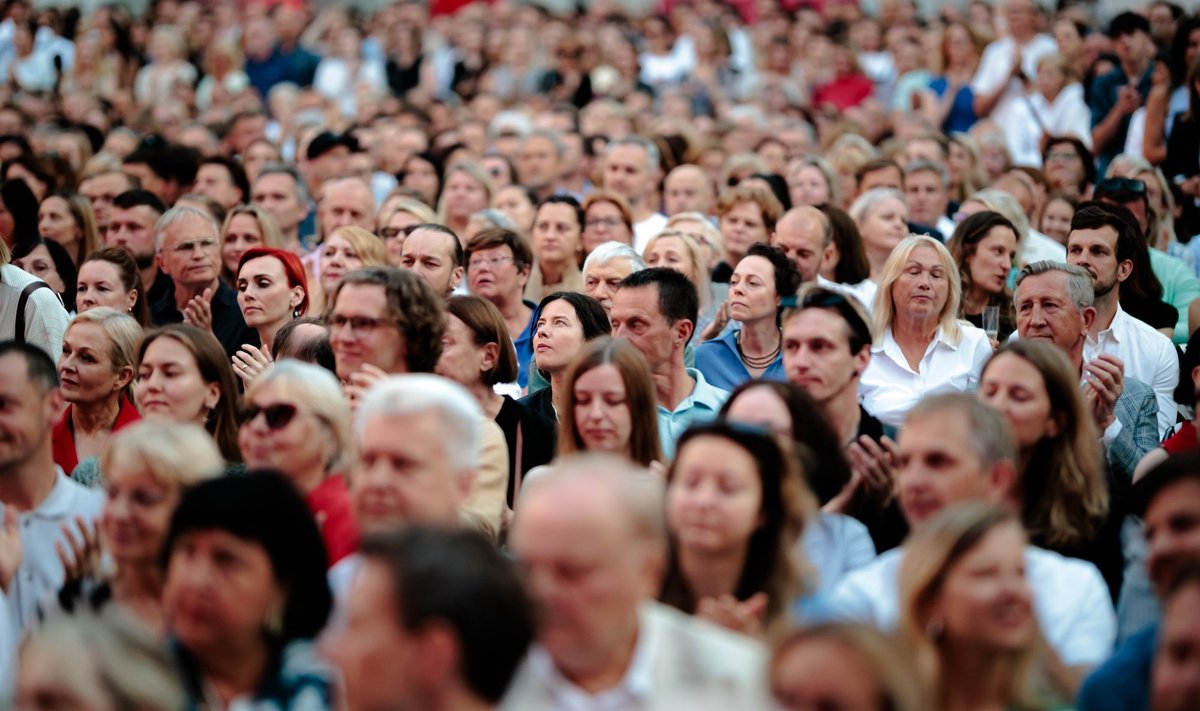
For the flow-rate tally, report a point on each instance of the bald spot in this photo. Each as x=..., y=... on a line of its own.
x=802, y=219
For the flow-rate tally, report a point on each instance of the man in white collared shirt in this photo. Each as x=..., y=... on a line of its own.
x=954, y=449
x=927, y=192
x=590, y=537
x=1102, y=241
x=36, y=498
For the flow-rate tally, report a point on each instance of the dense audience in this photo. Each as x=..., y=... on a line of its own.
x=616, y=355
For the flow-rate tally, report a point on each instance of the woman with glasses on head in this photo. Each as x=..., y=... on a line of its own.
x=245, y=226
x=296, y=421
x=607, y=218
x=398, y=213
x=271, y=290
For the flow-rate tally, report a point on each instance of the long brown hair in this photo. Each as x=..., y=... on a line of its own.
x=640, y=398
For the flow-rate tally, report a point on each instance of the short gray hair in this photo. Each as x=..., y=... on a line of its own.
x=927, y=166
x=653, y=156
x=1079, y=284
x=318, y=390
x=991, y=436
x=559, y=147
x=608, y=251
x=178, y=214
x=275, y=168
x=460, y=414
x=866, y=203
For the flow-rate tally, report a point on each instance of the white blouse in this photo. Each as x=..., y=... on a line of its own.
x=889, y=388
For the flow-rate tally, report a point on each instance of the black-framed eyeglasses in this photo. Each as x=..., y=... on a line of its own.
x=391, y=232
x=277, y=416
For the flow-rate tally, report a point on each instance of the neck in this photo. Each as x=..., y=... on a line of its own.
x=235, y=673
x=975, y=301
x=487, y=398
x=974, y=682
x=672, y=383
x=603, y=674
x=914, y=331
x=640, y=211
x=1135, y=69
x=25, y=485
x=292, y=243
x=309, y=480
x=266, y=334
x=558, y=389
x=454, y=699
x=137, y=580
x=553, y=272
x=843, y=412
x=93, y=417
x=877, y=261
x=711, y=575
x=185, y=292
x=760, y=337
x=515, y=313
x=1106, y=310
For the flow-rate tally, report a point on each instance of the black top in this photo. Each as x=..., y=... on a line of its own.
x=227, y=323
x=526, y=432
x=541, y=402
x=885, y=523
x=402, y=79
x=722, y=273
x=1183, y=161
x=1156, y=312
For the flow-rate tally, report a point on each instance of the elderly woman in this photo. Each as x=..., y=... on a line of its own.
x=604, y=269
x=304, y=434
x=607, y=218
x=96, y=372
x=881, y=215
x=147, y=467
x=272, y=289
x=747, y=216
x=760, y=283
x=562, y=325
x=921, y=347
x=246, y=226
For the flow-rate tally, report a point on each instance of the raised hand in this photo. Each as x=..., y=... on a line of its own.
x=84, y=555
x=747, y=617
x=11, y=552
x=198, y=310
x=249, y=362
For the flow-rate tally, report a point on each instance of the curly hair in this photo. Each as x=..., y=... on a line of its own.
x=417, y=311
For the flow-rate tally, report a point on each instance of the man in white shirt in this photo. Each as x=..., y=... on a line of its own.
x=591, y=539
x=954, y=449
x=631, y=169
x=1007, y=63
x=927, y=192
x=1102, y=242
x=36, y=498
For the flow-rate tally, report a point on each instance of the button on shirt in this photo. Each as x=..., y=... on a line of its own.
x=890, y=388
x=1148, y=356
x=701, y=406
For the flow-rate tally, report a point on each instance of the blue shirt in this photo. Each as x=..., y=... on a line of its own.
x=524, y=345
x=718, y=359
x=962, y=112
x=1123, y=682
x=702, y=405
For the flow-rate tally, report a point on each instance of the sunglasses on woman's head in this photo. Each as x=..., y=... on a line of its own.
x=277, y=416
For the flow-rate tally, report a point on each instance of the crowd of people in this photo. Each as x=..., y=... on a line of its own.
x=805, y=355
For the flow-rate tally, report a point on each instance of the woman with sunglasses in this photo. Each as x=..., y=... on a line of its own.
x=296, y=421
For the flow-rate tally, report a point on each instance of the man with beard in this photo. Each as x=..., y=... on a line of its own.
x=1102, y=242
x=131, y=225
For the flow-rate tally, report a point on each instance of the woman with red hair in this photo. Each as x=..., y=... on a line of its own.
x=271, y=290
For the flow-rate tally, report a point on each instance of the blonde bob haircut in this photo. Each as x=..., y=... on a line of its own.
x=931, y=553
x=370, y=249
x=124, y=334
x=883, y=312
x=178, y=453
x=317, y=390
x=694, y=255
x=271, y=236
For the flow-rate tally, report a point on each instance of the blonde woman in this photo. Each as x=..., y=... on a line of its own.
x=675, y=249
x=346, y=249
x=921, y=347
x=399, y=212
x=468, y=189
x=967, y=615
x=245, y=226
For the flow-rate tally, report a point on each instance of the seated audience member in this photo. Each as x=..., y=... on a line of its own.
x=1167, y=499
x=1035, y=246
x=609, y=404
x=134, y=215
x=943, y=597
x=1065, y=493
x=184, y=376
x=96, y=379
x=478, y=354
x=601, y=514
x=1068, y=165
x=557, y=247
x=747, y=215
x=1056, y=216
x=187, y=242
x=806, y=236
x=564, y=323
x=346, y=249
x=256, y=640
x=675, y=250
x=245, y=227
x=952, y=449
x=839, y=665
x=425, y=477
x=760, y=283
x=49, y=261
x=881, y=216
x=398, y=216
x=147, y=467
x=927, y=195
x=605, y=267
x=109, y=277
x=846, y=268
x=832, y=543
x=1175, y=685
x=1054, y=303
x=296, y=421
x=655, y=310
x=435, y=254
x=632, y=168
x=107, y=661
x=305, y=339
x=272, y=289
x=920, y=345
x=687, y=189
x=30, y=312
x=701, y=229
x=498, y=267
x=736, y=506
x=1103, y=242
x=417, y=599
x=984, y=247
x=606, y=219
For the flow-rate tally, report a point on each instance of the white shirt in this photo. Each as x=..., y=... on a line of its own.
x=889, y=388
x=995, y=70
x=635, y=690
x=946, y=226
x=1148, y=355
x=864, y=291
x=1067, y=115
x=646, y=229
x=45, y=318
x=1070, y=600
x=835, y=544
x=1038, y=246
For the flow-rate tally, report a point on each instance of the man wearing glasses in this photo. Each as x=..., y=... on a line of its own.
x=187, y=243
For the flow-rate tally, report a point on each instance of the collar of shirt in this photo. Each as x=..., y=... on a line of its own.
x=1115, y=331
x=892, y=350
x=702, y=395
x=60, y=502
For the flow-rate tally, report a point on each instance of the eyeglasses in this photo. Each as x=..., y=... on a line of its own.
x=189, y=247
x=1061, y=155
x=492, y=262
x=357, y=324
x=1120, y=185
x=277, y=416
x=391, y=232
x=605, y=222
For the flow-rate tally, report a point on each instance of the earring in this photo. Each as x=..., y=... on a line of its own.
x=296, y=312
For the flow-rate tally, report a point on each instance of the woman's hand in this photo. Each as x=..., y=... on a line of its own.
x=720, y=320
x=11, y=552
x=747, y=617
x=84, y=555
x=249, y=362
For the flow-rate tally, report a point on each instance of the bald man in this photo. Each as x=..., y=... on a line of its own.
x=346, y=201
x=805, y=235
x=688, y=189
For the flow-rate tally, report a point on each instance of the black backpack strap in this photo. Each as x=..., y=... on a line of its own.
x=19, y=329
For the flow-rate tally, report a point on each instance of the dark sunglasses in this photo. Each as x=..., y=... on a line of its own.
x=277, y=416
x=1121, y=185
